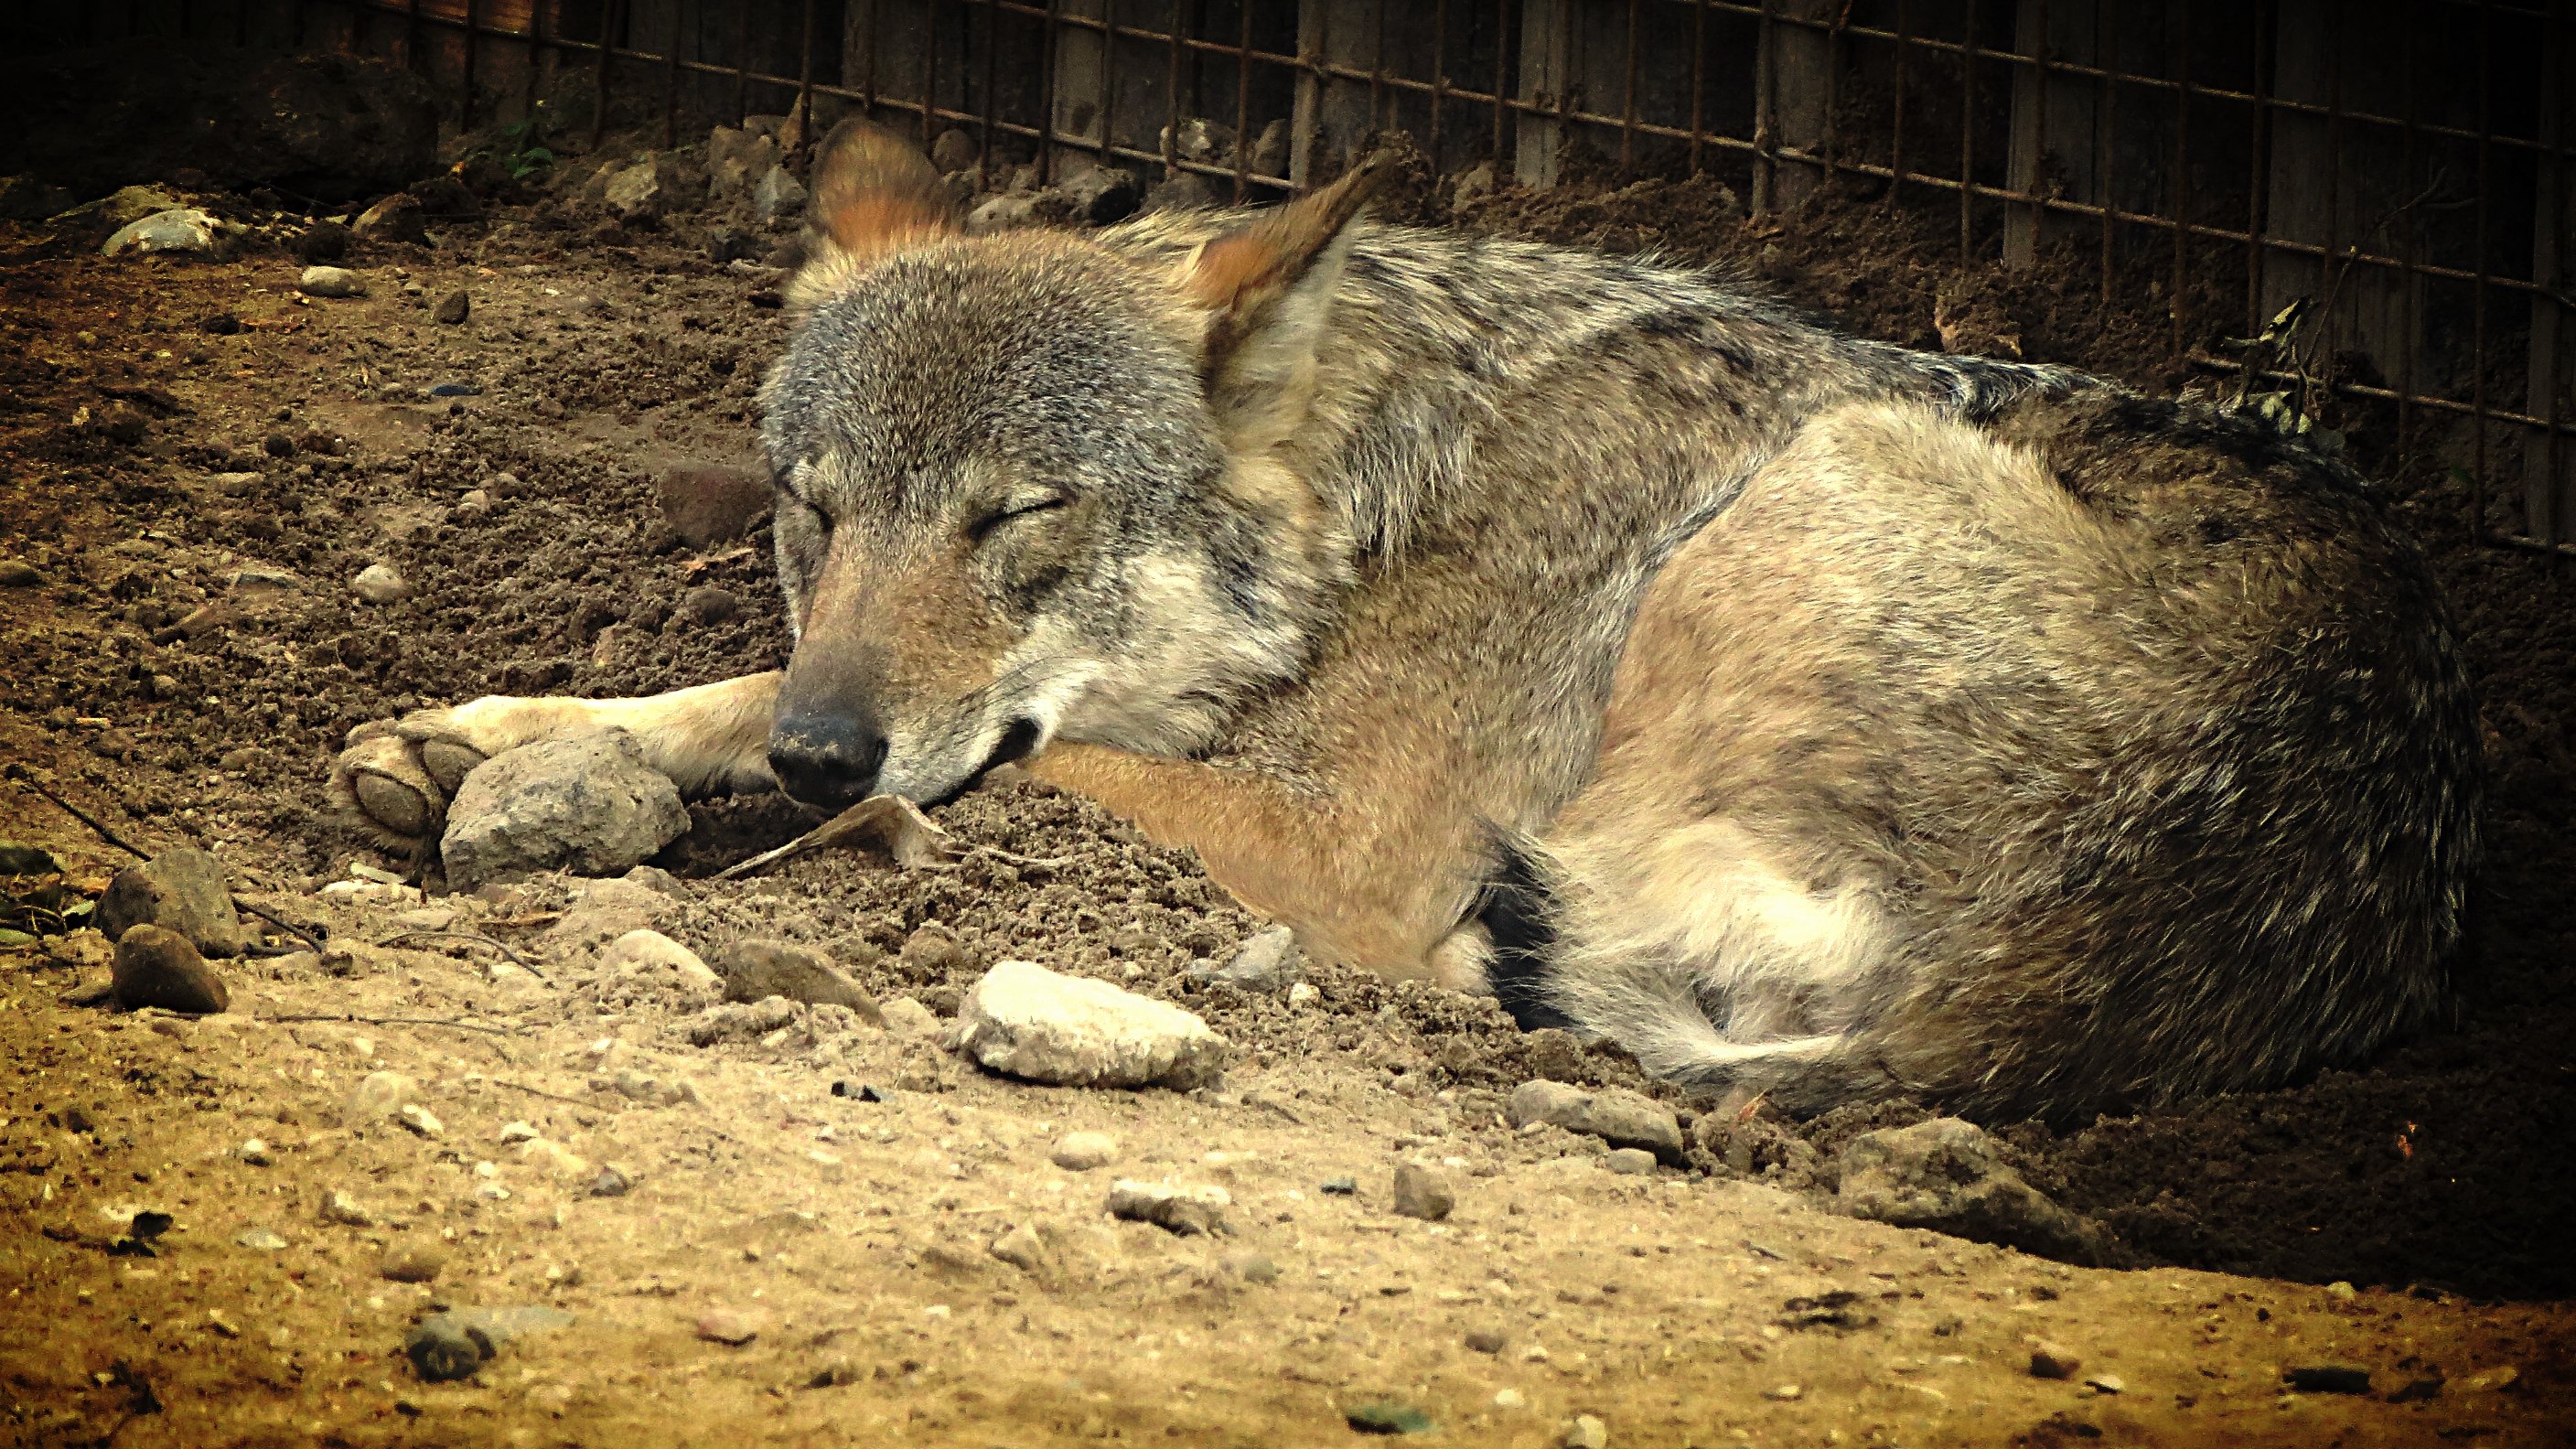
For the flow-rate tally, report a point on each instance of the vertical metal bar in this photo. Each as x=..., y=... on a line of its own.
x=1834, y=43
x=1502, y=78
x=1243, y=103
x=1896, y=122
x=473, y=43
x=2555, y=99
x=876, y=38
x=671, y=80
x=805, y=81
x=1968, y=131
x=2478, y=421
x=2106, y=47
x=2258, y=185
x=741, y=61
x=2181, y=168
x=1699, y=79
x=1108, y=83
x=1048, y=44
x=536, y=62
x=1172, y=101
x=2406, y=244
x=2039, y=131
x=1766, y=109
x=1628, y=107
x=992, y=90
x=411, y=39
x=599, y=84
x=2329, y=276
x=929, y=69
x=1378, y=117
x=1439, y=77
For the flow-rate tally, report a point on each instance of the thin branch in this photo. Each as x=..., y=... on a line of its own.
x=28, y=778
x=283, y=924
x=541, y=1092
x=392, y=1021
x=515, y=958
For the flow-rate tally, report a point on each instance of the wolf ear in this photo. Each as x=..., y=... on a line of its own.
x=1267, y=288
x=874, y=196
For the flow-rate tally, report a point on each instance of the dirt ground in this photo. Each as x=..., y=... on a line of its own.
x=836, y=1189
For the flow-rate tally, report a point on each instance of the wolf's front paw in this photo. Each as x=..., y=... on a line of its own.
x=396, y=777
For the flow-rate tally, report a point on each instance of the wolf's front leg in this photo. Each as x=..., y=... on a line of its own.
x=398, y=775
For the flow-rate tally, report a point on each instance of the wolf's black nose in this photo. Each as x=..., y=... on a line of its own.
x=826, y=760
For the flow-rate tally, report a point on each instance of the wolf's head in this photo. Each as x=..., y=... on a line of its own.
x=1026, y=483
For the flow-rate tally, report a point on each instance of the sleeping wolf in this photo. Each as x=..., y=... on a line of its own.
x=1809, y=715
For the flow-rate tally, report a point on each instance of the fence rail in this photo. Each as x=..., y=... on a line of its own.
x=2404, y=165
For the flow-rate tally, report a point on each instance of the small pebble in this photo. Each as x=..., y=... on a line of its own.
x=263, y=1239
x=420, y=1120
x=610, y=1183
x=1783, y=1393
x=1186, y=1211
x=1510, y=1399
x=256, y=1153
x=1340, y=1187
x=16, y=573
x=1083, y=1151
x=2327, y=1378
x=452, y=308
x=909, y=1017
x=1630, y=1161
x=1423, y=1192
x=2106, y=1383
x=519, y=1132
x=1388, y=1417
x=331, y=282
x=1486, y=1340
x=377, y=1096
x=381, y=584
x=441, y=1351
x=1587, y=1432
x=159, y=967
x=723, y=1325
x=834, y=1373
x=2048, y=1361
x=1255, y=1268
x=1303, y=994
x=344, y=1210
x=412, y=1261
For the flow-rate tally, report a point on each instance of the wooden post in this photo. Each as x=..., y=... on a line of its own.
x=2054, y=145
x=1332, y=113
x=1547, y=79
x=1793, y=101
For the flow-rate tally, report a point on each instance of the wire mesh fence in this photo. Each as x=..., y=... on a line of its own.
x=2345, y=207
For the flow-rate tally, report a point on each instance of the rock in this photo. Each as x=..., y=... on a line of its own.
x=723, y=1325
x=1510, y=1399
x=777, y=198
x=553, y=1159
x=708, y=605
x=955, y=150
x=158, y=967
x=755, y=970
x=1025, y=1021
x=584, y=803
x=1002, y=213
x=1784, y=1393
x=653, y=959
x=604, y=910
x=452, y=1345
x=453, y=308
x=1254, y=1267
x=1100, y=196
x=611, y=1183
x=185, y=890
x=1388, y=1417
x=120, y=208
x=185, y=231
x=1620, y=1118
x=1303, y=994
x=377, y=1096
x=1197, y=138
x=909, y=1017
x=1083, y=1151
x=1486, y=1340
x=2109, y=1383
x=1423, y=1192
x=412, y=1260
x=256, y=1152
x=1270, y=150
x=1473, y=184
x=2327, y=1378
x=1268, y=962
x=1185, y=1211
x=1022, y=1248
x=2048, y=1361
x=331, y=282
x=736, y=160
x=657, y=184
x=1947, y=1175
x=1339, y=1187
x=420, y=1121
x=1630, y=1161
x=263, y=1240
x=380, y=583
x=398, y=218
x=17, y=573
x=1181, y=191
x=836, y=1371
x=1586, y=1432
x=341, y=1209
x=710, y=506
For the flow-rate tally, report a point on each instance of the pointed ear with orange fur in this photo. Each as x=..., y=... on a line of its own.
x=873, y=196
x=1267, y=288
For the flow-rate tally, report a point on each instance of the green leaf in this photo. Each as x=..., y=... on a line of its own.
x=9, y=937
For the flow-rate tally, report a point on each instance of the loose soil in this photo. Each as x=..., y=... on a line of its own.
x=165, y=425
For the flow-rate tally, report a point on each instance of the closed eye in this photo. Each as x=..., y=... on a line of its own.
x=1028, y=508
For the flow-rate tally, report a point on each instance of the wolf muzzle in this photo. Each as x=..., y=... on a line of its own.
x=830, y=760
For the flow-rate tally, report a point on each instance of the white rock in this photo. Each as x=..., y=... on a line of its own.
x=519, y=1132
x=554, y=1159
x=331, y=282
x=908, y=1017
x=421, y=1120
x=1026, y=1021
x=183, y=230
x=344, y=1210
x=379, y=1095
x=1183, y=1210
x=656, y=959
x=256, y=1153
x=1303, y=994
x=379, y=583
x=1083, y=1151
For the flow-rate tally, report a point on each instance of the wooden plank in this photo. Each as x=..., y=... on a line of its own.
x=2054, y=149
x=1793, y=100
x=1332, y=114
x=1547, y=73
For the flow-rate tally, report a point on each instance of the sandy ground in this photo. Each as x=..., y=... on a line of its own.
x=853, y=1239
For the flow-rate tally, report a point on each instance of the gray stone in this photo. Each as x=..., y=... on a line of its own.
x=412, y=1260
x=156, y=967
x=1197, y=138
x=1947, y=1175
x=185, y=231
x=1025, y=1021
x=1100, y=196
x=265, y=1240
x=377, y=1096
x=754, y=970
x=1083, y=1151
x=955, y=150
x=1185, y=1211
x=381, y=583
x=17, y=573
x=653, y=959
x=1270, y=150
x=1586, y=1432
x=331, y=282
x=1620, y=1118
x=1269, y=962
x=725, y=1326
x=1002, y=213
x=183, y=890
x=655, y=185
x=1473, y=184
x=778, y=198
x=1423, y=1192
x=736, y=161
x=585, y=803
x=1021, y=1247
x=120, y=208
x=452, y=1345
x=398, y=218
x=707, y=506
x=1630, y=1161
x=908, y=1017
x=453, y=308
x=1181, y=191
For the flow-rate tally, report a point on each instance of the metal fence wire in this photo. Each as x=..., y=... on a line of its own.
x=2361, y=200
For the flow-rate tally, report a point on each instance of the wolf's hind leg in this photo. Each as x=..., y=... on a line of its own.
x=396, y=776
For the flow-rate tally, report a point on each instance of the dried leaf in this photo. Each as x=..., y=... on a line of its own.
x=889, y=822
